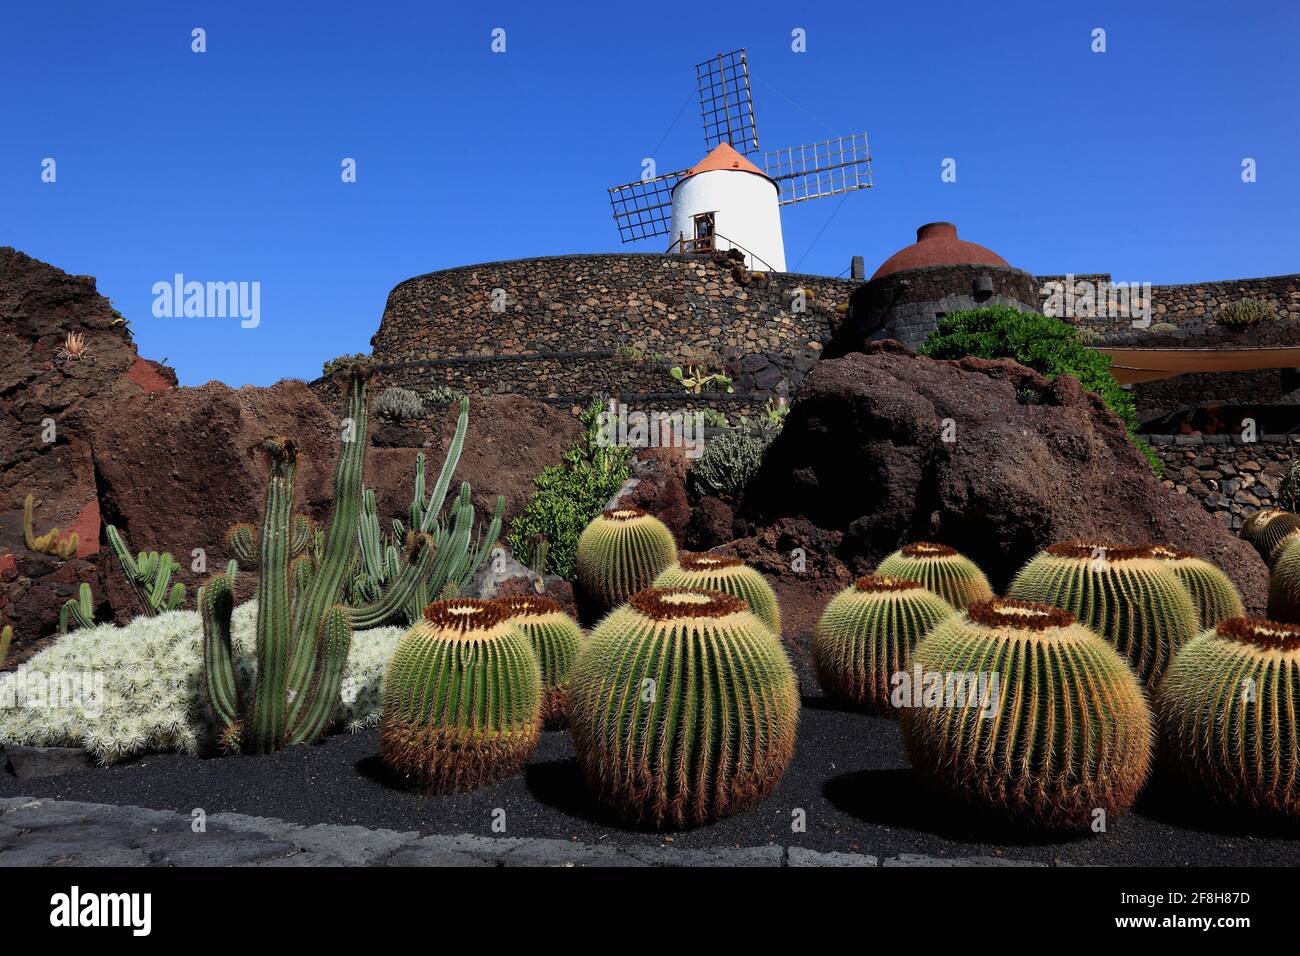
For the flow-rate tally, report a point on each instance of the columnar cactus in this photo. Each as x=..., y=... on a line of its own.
x=556, y=640
x=1131, y=599
x=303, y=629
x=149, y=573
x=1061, y=731
x=1270, y=530
x=865, y=637
x=621, y=552
x=716, y=572
x=52, y=542
x=683, y=707
x=1215, y=596
x=462, y=698
x=79, y=611
x=1226, y=711
x=6, y=638
x=955, y=578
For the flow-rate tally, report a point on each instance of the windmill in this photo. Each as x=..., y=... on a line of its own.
x=724, y=201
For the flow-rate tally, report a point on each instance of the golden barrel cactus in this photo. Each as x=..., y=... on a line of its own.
x=683, y=707
x=621, y=552
x=955, y=578
x=462, y=698
x=716, y=572
x=1270, y=530
x=1227, y=710
x=1215, y=596
x=1061, y=730
x=556, y=639
x=1131, y=599
x=866, y=635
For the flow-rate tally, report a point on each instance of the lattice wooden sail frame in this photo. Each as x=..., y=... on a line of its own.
x=817, y=170
x=644, y=209
x=726, y=102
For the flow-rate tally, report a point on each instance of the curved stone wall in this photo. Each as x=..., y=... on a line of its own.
x=616, y=323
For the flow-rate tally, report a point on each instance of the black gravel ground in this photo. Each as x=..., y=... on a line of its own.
x=849, y=776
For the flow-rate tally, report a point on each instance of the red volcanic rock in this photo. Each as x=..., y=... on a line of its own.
x=861, y=468
x=937, y=245
x=51, y=404
x=659, y=487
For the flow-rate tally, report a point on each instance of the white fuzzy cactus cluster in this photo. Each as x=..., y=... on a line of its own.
x=121, y=691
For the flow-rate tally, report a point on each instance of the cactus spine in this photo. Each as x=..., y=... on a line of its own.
x=866, y=635
x=50, y=542
x=1270, y=530
x=939, y=568
x=1215, y=596
x=683, y=707
x=149, y=574
x=621, y=552
x=1226, y=711
x=1132, y=600
x=462, y=698
x=1066, y=732
x=556, y=640
x=715, y=572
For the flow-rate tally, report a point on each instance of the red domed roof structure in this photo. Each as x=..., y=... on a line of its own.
x=937, y=245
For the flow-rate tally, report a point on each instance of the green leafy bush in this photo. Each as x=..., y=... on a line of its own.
x=1048, y=346
x=1245, y=312
x=567, y=496
x=729, y=461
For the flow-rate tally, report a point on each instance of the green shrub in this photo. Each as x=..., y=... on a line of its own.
x=1245, y=312
x=1049, y=346
x=343, y=361
x=729, y=461
x=1164, y=327
x=566, y=497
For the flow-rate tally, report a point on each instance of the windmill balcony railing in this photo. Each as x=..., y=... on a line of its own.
x=706, y=244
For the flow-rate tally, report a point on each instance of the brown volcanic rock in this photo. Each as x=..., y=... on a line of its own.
x=658, y=486
x=860, y=468
x=39, y=306
x=178, y=468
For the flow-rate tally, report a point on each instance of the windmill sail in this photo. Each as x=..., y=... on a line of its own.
x=815, y=170
x=644, y=209
x=726, y=104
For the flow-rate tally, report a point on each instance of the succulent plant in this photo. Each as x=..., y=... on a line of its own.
x=149, y=574
x=1284, y=584
x=400, y=404
x=556, y=640
x=6, y=638
x=1215, y=596
x=955, y=578
x=1065, y=733
x=866, y=635
x=1269, y=530
x=1134, y=601
x=683, y=707
x=462, y=698
x=79, y=611
x=621, y=552
x=716, y=572
x=1226, y=710
x=139, y=688
x=52, y=542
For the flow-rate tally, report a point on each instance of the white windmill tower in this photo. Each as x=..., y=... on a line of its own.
x=724, y=201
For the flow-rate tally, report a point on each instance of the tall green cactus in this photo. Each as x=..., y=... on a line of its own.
x=6, y=638
x=303, y=631
x=149, y=574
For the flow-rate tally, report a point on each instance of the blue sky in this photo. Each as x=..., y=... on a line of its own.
x=225, y=165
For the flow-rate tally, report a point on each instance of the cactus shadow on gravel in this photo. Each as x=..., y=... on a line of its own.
x=1173, y=801
x=559, y=784
x=900, y=797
